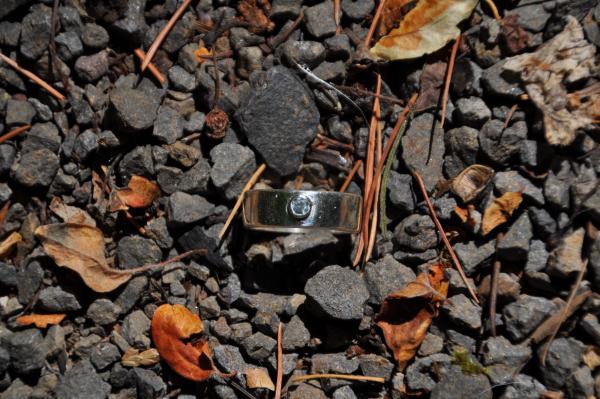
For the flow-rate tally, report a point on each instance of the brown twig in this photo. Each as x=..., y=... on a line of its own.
x=362, y=92
x=494, y=9
x=33, y=77
x=494, y=289
x=13, y=133
x=338, y=145
x=374, y=209
x=283, y=36
x=279, y=380
x=449, y=73
x=163, y=34
x=301, y=378
x=357, y=165
x=336, y=16
x=564, y=314
x=440, y=229
x=150, y=266
x=510, y=114
x=374, y=23
x=251, y=182
x=153, y=70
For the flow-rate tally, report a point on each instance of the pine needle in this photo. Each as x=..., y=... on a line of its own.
x=13, y=133
x=494, y=9
x=33, y=77
x=153, y=70
x=346, y=183
x=449, y=73
x=374, y=23
x=301, y=378
x=279, y=380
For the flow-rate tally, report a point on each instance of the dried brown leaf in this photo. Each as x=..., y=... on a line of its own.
x=40, y=320
x=466, y=215
x=500, y=211
x=140, y=193
x=135, y=358
x=258, y=378
x=565, y=59
x=432, y=79
x=9, y=244
x=201, y=54
x=471, y=182
x=406, y=315
x=81, y=248
x=254, y=12
x=514, y=38
x=70, y=214
x=591, y=357
x=170, y=325
x=391, y=14
x=424, y=29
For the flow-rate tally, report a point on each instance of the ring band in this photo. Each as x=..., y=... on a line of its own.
x=296, y=211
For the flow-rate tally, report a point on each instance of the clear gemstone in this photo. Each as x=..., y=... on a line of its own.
x=300, y=206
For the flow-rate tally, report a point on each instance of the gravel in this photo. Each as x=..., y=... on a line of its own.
x=386, y=276
x=132, y=110
x=82, y=382
x=233, y=164
x=524, y=315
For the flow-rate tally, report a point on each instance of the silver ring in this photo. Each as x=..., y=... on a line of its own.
x=296, y=211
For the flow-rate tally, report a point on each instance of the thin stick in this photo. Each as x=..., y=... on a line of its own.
x=494, y=289
x=374, y=23
x=374, y=209
x=279, y=380
x=358, y=91
x=301, y=378
x=494, y=9
x=240, y=199
x=357, y=165
x=449, y=73
x=163, y=34
x=13, y=133
x=150, y=266
x=564, y=313
x=33, y=77
x=510, y=114
x=153, y=70
x=433, y=215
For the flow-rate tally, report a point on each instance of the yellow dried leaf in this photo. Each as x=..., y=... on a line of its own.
x=258, y=378
x=500, y=211
x=9, y=243
x=135, y=358
x=424, y=29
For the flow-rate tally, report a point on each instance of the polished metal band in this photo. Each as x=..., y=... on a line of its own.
x=296, y=211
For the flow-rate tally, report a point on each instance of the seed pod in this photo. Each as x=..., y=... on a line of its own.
x=471, y=182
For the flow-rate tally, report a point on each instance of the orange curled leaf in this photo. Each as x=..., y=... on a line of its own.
x=140, y=193
x=170, y=325
x=40, y=320
x=500, y=211
x=406, y=315
x=426, y=28
x=202, y=54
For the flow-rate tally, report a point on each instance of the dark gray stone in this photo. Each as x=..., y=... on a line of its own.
x=103, y=311
x=466, y=79
x=535, y=154
x=461, y=311
x=279, y=119
x=344, y=392
x=132, y=110
x=229, y=358
x=524, y=315
x=499, y=144
x=400, y=192
x=357, y=10
x=135, y=327
x=331, y=71
x=524, y=387
x=514, y=245
x=86, y=145
x=133, y=25
x=149, y=385
x=295, y=335
x=68, y=45
x=104, y=354
x=233, y=164
x=137, y=162
x=134, y=251
x=209, y=308
x=472, y=254
x=581, y=383
x=417, y=233
x=35, y=32
x=266, y=322
x=499, y=82
x=54, y=299
x=181, y=79
x=10, y=32
x=18, y=113
x=512, y=181
x=564, y=356
x=185, y=155
x=386, y=276
x=337, y=293
x=42, y=135
x=556, y=185
x=319, y=20
x=415, y=149
x=377, y=366
x=7, y=157
x=82, y=382
x=185, y=209
x=565, y=260
x=420, y=374
x=250, y=60
x=259, y=346
x=94, y=36
x=338, y=46
x=285, y=9
x=158, y=231
x=456, y=385
x=462, y=146
x=537, y=257
x=472, y=111
x=90, y=68
x=499, y=350
x=8, y=276
x=69, y=18
x=532, y=17
x=29, y=280
x=168, y=126
x=303, y=52
x=26, y=349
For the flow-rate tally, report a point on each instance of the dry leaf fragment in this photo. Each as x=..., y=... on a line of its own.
x=500, y=211
x=591, y=357
x=471, y=182
x=565, y=59
x=513, y=36
x=71, y=214
x=80, y=248
x=406, y=315
x=254, y=12
x=40, y=320
x=258, y=378
x=432, y=79
x=135, y=358
x=392, y=13
x=424, y=29
x=9, y=243
x=202, y=54
x=170, y=325
x=140, y=193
